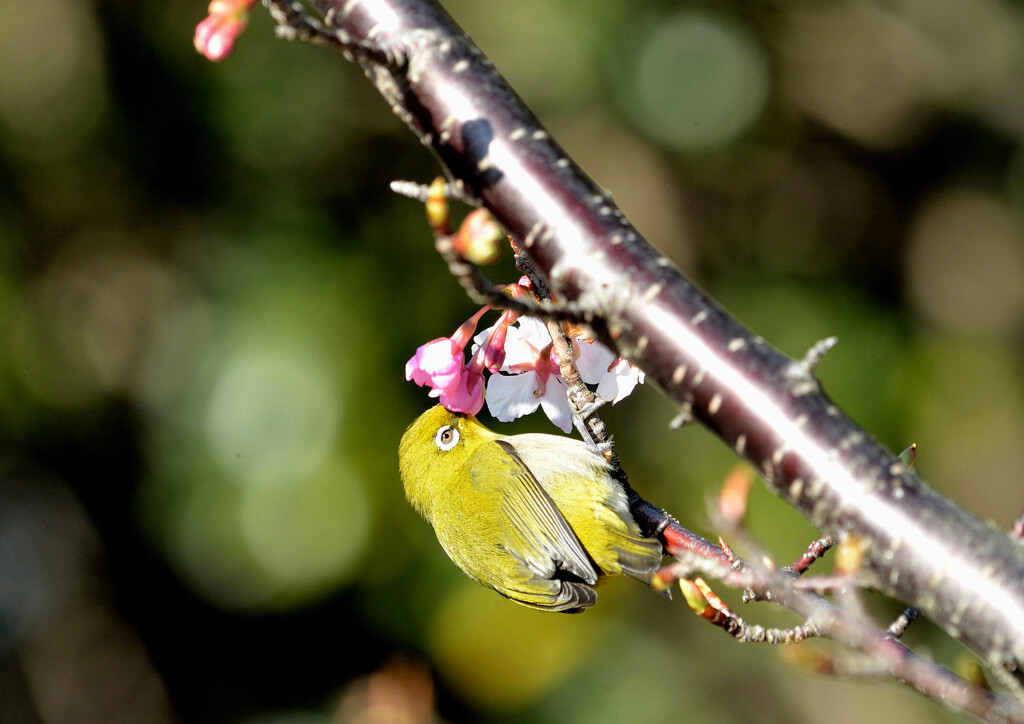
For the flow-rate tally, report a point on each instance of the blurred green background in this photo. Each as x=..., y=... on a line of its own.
x=208, y=293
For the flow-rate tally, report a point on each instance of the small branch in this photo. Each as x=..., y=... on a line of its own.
x=881, y=648
x=473, y=281
x=814, y=551
x=827, y=584
x=706, y=604
x=847, y=666
x=816, y=353
x=899, y=627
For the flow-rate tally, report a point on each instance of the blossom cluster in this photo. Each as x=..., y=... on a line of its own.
x=524, y=368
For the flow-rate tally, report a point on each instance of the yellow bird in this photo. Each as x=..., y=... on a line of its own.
x=538, y=518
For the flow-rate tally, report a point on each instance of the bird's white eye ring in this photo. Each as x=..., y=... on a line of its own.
x=446, y=438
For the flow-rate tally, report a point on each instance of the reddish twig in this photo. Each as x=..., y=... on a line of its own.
x=881, y=648
x=814, y=551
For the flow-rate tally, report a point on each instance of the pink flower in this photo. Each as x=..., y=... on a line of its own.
x=467, y=395
x=440, y=365
x=494, y=356
x=436, y=363
x=215, y=36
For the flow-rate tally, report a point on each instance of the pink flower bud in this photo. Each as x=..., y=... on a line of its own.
x=215, y=36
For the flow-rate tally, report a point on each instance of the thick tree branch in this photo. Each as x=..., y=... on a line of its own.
x=919, y=547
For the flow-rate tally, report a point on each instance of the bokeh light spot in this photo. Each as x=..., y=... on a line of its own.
x=50, y=93
x=502, y=655
x=308, y=535
x=965, y=263
x=81, y=327
x=206, y=546
x=700, y=82
x=271, y=417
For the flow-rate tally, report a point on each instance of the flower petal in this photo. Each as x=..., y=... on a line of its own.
x=466, y=395
x=435, y=363
x=512, y=396
x=524, y=340
x=555, y=404
x=594, y=360
x=619, y=381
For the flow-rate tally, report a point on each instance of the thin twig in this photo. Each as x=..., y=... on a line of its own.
x=814, y=551
x=479, y=288
x=899, y=627
x=830, y=622
x=706, y=604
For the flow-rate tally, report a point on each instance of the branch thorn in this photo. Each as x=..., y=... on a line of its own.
x=816, y=353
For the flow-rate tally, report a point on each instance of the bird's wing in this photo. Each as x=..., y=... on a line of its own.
x=539, y=535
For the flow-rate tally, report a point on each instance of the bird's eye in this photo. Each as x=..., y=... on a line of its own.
x=446, y=438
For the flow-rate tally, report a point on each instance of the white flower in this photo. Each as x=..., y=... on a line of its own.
x=512, y=396
x=619, y=381
x=530, y=377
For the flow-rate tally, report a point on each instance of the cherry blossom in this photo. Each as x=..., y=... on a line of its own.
x=525, y=371
x=532, y=378
x=440, y=365
x=619, y=381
